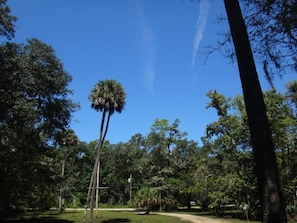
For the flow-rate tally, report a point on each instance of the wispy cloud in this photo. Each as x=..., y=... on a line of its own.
x=148, y=48
x=204, y=6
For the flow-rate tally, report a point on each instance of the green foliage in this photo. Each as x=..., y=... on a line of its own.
x=147, y=198
x=292, y=93
x=219, y=102
x=218, y=174
x=229, y=147
x=7, y=21
x=226, y=190
x=270, y=23
x=34, y=110
x=108, y=95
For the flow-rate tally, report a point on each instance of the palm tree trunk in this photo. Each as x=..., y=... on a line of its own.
x=97, y=188
x=98, y=168
x=106, y=127
x=92, y=185
x=271, y=199
x=100, y=143
x=88, y=198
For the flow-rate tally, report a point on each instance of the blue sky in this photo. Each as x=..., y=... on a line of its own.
x=155, y=49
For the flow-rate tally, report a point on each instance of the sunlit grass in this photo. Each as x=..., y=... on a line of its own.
x=103, y=217
x=109, y=216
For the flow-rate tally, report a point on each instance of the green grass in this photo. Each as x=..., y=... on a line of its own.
x=104, y=217
x=108, y=216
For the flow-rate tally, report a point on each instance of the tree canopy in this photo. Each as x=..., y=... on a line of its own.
x=35, y=109
x=7, y=26
x=271, y=27
x=272, y=30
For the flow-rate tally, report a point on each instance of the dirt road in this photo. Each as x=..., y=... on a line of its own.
x=193, y=218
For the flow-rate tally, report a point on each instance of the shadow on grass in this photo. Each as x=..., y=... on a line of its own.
x=116, y=220
x=38, y=220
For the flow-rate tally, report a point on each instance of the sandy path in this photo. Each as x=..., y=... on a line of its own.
x=193, y=218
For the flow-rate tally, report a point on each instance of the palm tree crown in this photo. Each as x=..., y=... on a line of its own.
x=108, y=95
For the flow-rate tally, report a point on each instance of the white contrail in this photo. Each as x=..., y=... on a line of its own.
x=201, y=22
x=148, y=37
x=148, y=48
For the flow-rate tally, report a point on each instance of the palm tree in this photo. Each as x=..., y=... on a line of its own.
x=107, y=97
x=271, y=199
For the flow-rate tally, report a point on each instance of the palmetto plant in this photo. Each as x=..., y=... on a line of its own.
x=107, y=97
x=147, y=197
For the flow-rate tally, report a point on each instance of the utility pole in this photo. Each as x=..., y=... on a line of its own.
x=130, y=181
x=61, y=199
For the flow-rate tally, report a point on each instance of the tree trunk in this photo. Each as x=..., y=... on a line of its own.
x=93, y=180
x=96, y=170
x=92, y=197
x=97, y=189
x=95, y=183
x=62, y=188
x=271, y=199
x=88, y=198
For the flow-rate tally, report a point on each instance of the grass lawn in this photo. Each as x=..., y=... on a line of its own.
x=108, y=216
x=104, y=217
